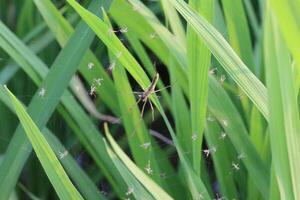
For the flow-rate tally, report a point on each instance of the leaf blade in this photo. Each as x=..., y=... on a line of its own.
x=47, y=157
x=226, y=56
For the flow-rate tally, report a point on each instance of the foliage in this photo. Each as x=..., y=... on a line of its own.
x=131, y=99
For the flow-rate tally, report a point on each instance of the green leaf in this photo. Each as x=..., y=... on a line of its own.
x=103, y=31
x=287, y=13
x=284, y=111
x=221, y=159
x=226, y=56
x=228, y=116
x=41, y=108
x=238, y=31
x=136, y=129
x=147, y=63
x=239, y=37
x=241, y=142
x=55, y=172
x=62, y=30
x=173, y=19
x=148, y=183
x=181, y=114
x=137, y=133
x=198, y=64
x=84, y=184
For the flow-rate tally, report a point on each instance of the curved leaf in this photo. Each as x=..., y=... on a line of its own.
x=226, y=56
x=55, y=172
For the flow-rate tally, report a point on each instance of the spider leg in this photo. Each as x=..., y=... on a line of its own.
x=162, y=89
x=152, y=110
x=136, y=126
x=143, y=108
x=137, y=103
x=137, y=92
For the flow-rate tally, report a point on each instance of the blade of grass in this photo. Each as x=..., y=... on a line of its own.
x=36, y=45
x=148, y=183
x=79, y=116
x=26, y=18
x=55, y=172
x=55, y=88
x=139, y=27
x=257, y=135
x=262, y=184
x=134, y=125
x=91, y=134
x=253, y=19
x=126, y=59
x=172, y=17
x=164, y=34
x=222, y=51
x=274, y=189
x=221, y=160
x=287, y=14
x=189, y=174
x=195, y=184
x=28, y=193
x=62, y=30
x=181, y=115
x=231, y=121
x=103, y=31
x=238, y=31
x=138, y=135
x=82, y=181
x=11, y=51
x=199, y=62
x=239, y=37
x=134, y=188
x=147, y=63
x=284, y=123
x=84, y=184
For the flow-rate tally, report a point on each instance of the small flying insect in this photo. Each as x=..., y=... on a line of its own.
x=92, y=90
x=61, y=155
x=152, y=35
x=42, y=92
x=235, y=166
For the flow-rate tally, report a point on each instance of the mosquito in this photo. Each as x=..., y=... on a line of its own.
x=61, y=155
x=235, y=166
x=129, y=191
x=42, y=92
x=92, y=90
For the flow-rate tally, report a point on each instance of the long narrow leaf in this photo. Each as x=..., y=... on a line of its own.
x=199, y=62
x=86, y=187
x=284, y=123
x=47, y=157
x=127, y=60
x=8, y=180
x=287, y=13
x=149, y=184
x=219, y=47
